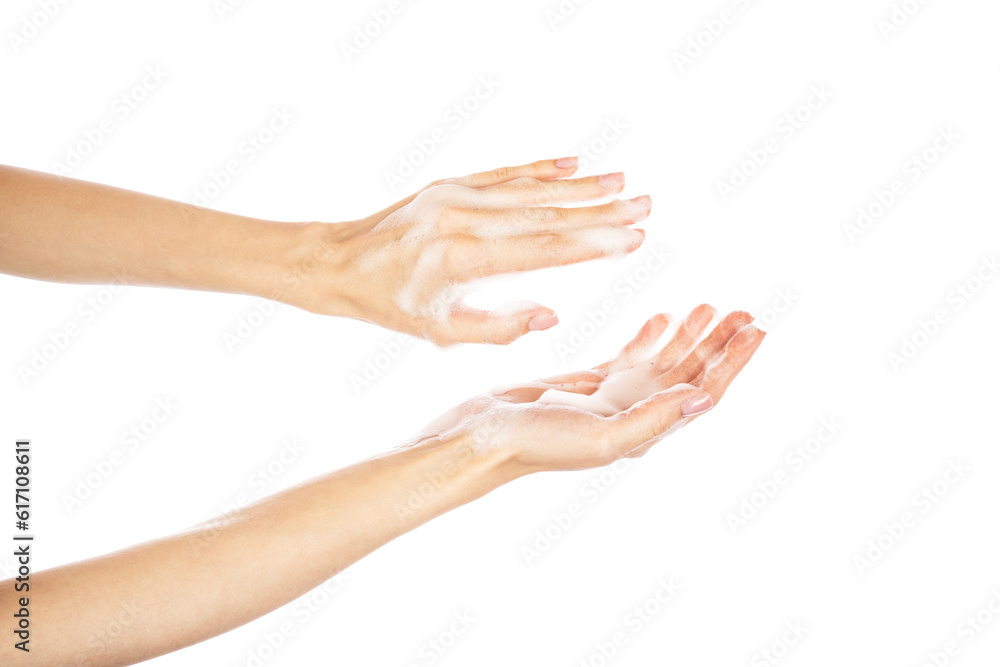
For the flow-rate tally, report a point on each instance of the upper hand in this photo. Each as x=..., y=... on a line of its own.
x=405, y=267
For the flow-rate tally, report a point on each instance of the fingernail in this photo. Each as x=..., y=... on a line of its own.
x=637, y=237
x=567, y=162
x=543, y=322
x=752, y=331
x=697, y=406
x=611, y=181
x=642, y=206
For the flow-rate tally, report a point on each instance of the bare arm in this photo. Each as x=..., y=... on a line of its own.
x=217, y=576
x=403, y=268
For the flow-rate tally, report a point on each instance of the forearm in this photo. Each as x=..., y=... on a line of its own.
x=65, y=230
x=217, y=576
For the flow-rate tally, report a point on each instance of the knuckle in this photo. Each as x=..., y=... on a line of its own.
x=459, y=253
x=608, y=447
x=552, y=215
x=439, y=193
x=525, y=182
x=551, y=241
x=445, y=216
x=503, y=173
x=442, y=336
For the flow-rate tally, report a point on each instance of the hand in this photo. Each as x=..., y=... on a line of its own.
x=621, y=408
x=406, y=267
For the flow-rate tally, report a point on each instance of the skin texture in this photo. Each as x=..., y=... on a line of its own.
x=401, y=268
x=189, y=587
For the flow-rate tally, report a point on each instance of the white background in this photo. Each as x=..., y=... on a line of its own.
x=685, y=130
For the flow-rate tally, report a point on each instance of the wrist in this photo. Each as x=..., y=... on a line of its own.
x=309, y=269
x=453, y=470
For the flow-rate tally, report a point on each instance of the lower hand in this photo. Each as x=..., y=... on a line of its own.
x=620, y=408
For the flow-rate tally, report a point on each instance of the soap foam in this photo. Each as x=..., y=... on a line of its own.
x=416, y=297
x=631, y=378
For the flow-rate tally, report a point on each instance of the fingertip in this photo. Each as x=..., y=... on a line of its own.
x=647, y=202
x=568, y=164
x=635, y=210
x=614, y=182
x=543, y=321
x=704, y=308
x=698, y=403
x=660, y=320
x=749, y=336
x=636, y=239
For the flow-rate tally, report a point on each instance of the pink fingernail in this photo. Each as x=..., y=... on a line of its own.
x=643, y=206
x=637, y=237
x=543, y=322
x=611, y=181
x=567, y=162
x=697, y=406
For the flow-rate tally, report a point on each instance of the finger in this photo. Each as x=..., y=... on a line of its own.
x=535, y=192
x=579, y=382
x=718, y=375
x=565, y=381
x=649, y=421
x=539, y=251
x=499, y=326
x=490, y=222
x=639, y=347
x=542, y=170
x=690, y=331
x=705, y=351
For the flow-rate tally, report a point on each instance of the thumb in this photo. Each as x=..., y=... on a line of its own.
x=502, y=325
x=659, y=415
